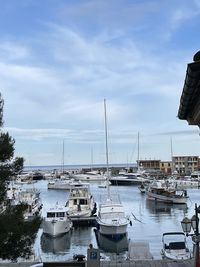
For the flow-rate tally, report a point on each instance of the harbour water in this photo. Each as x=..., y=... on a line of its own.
x=149, y=221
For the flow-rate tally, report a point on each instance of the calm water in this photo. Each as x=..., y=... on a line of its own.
x=152, y=220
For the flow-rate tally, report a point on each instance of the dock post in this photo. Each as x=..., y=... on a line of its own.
x=93, y=257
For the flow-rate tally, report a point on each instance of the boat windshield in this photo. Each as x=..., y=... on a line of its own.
x=113, y=215
x=55, y=214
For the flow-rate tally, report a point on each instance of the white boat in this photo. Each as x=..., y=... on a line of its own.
x=30, y=197
x=89, y=176
x=175, y=246
x=102, y=185
x=160, y=191
x=185, y=182
x=111, y=218
x=60, y=184
x=57, y=221
x=12, y=193
x=80, y=202
x=24, y=179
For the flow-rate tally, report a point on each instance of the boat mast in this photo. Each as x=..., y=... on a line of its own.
x=138, y=160
x=107, y=161
x=92, y=161
x=172, y=156
x=63, y=155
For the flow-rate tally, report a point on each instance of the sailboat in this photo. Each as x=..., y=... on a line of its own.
x=111, y=219
x=139, y=177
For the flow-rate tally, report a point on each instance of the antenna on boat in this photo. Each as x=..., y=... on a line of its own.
x=107, y=161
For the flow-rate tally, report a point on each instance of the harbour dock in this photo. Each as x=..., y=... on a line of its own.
x=136, y=263
x=80, y=221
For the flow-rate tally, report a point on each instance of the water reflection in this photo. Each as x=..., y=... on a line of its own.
x=82, y=236
x=155, y=218
x=110, y=245
x=160, y=208
x=56, y=245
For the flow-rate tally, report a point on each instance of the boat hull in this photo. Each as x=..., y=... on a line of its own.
x=56, y=228
x=166, y=199
x=113, y=230
x=176, y=255
x=126, y=181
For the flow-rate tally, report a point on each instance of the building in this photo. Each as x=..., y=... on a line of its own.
x=185, y=165
x=166, y=167
x=150, y=164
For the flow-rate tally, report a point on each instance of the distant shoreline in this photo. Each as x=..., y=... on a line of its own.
x=78, y=166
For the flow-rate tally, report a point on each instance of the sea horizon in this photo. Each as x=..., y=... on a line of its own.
x=77, y=166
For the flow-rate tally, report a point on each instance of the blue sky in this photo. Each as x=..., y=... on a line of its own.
x=60, y=59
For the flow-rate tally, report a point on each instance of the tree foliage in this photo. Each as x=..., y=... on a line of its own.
x=16, y=234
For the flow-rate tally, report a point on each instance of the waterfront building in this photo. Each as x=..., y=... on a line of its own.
x=185, y=165
x=151, y=164
x=166, y=167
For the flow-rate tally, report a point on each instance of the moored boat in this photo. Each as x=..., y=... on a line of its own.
x=160, y=191
x=57, y=221
x=175, y=246
x=111, y=218
x=128, y=179
x=31, y=198
x=81, y=203
x=60, y=184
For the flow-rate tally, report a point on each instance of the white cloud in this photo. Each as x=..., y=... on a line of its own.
x=54, y=83
x=11, y=51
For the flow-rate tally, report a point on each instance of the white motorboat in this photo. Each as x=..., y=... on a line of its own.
x=57, y=221
x=111, y=218
x=102, y=185
x=185, y=182
x=12, y=193
x=89, y=176
x=31, y=198
x=60, y=184
x=80, y=202
x=175, y=246
x=160, y=191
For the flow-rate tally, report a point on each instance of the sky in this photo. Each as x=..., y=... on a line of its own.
x=59, y=60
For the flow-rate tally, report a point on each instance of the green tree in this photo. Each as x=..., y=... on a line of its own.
x=16, y=234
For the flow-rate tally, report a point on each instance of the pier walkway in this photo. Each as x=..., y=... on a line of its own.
x=136, y=263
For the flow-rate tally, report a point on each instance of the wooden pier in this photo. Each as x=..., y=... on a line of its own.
x=78, y=221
